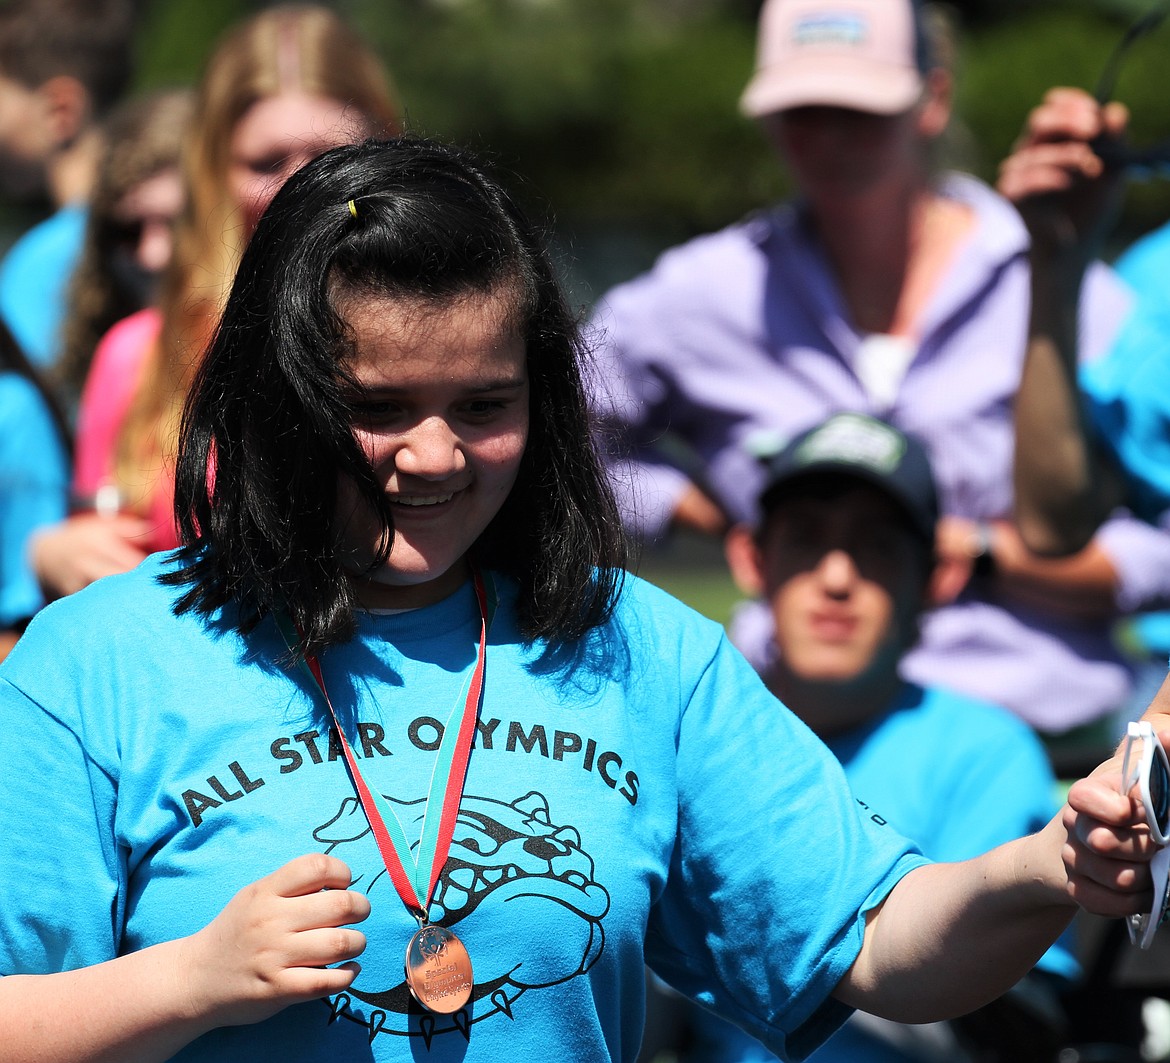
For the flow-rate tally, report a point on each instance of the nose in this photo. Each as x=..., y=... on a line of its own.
x=154, y=245
x=808, y=125
x=837, y=572
x=431, y=450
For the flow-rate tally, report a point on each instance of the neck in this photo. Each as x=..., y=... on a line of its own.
x=375, y=594
x=834, y=708
x=72, y=169
x=887, y=251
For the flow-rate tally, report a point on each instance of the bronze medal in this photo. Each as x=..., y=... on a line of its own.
x=438, y=970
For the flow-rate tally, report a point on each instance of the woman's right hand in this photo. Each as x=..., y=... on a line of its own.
x=73, y=553
x=274, y=942
x=267, y=949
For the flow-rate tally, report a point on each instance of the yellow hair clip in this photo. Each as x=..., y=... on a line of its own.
x=352, y=208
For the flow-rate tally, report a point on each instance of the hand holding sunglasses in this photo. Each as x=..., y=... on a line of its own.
x=1144, y=765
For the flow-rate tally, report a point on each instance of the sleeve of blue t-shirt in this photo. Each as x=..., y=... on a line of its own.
x=33, y=491
x=58, y=824
x=955, y=774
x=959, y=777
x=1143, y=265
x=1128, y=396
x=34, y=282
x=775, y=866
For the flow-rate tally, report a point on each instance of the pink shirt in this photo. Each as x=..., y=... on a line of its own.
x=110, y=388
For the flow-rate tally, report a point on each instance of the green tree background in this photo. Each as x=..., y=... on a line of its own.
x=619, y=118
x=621, y=114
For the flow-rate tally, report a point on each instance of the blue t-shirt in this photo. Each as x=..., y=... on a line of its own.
x=1128, y=400
x=1143, y=266
x=636, y=795
x=34, y=479
x=958, y=776
x=1128, y=392
x=34, y=282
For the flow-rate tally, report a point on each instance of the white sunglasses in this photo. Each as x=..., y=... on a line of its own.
x=1144, y=765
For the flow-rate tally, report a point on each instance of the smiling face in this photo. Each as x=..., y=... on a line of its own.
x=845, y=577
x=443, y=419
x=278, y=135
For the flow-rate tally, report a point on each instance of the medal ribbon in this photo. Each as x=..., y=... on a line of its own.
x=415, y=880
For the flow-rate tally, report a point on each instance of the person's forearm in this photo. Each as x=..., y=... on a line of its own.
x=133, y=1009
x=264, y=951
x=952, y=937
x=1068, y=199
x=1060, y=481
x=1083, y=584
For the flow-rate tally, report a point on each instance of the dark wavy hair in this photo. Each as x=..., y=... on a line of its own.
x=266, y=430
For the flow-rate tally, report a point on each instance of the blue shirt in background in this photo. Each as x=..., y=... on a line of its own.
x=34, y=282
x=34, y=479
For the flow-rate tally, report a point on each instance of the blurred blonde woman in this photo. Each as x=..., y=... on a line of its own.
x=280, y=89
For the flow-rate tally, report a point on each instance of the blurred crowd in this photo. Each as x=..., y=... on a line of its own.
x=937, y=563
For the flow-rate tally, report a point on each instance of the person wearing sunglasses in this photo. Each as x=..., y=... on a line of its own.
x=135, y=202
x=1090, y=438
x=884, y=287
x=844, y=559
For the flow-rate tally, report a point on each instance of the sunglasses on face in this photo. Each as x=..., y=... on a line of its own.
x=1137, y=161
x=1145, y=766
x=126, y=234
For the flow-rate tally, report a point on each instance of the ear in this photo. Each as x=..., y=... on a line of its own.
x=67, y=109
x=744, y=559
x=934, y=112
x=946, y=581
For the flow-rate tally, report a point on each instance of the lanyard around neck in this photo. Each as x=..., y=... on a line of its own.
x=416, y=879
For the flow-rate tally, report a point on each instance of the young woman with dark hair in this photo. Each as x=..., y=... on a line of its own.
x=396, y=677
x=557, y=534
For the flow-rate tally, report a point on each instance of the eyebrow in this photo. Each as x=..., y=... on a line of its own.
x=511, y=383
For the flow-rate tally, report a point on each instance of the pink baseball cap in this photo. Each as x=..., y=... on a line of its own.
x=867, y=55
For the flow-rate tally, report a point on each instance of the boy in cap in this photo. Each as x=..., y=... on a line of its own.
x=885, y=287
x=63, y=65
x=844, y=558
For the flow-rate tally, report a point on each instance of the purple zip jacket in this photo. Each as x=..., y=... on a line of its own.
x=737, y=340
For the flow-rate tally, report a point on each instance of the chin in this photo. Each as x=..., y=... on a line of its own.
x=829, y=676
x=413, y=569
x=829, y=667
